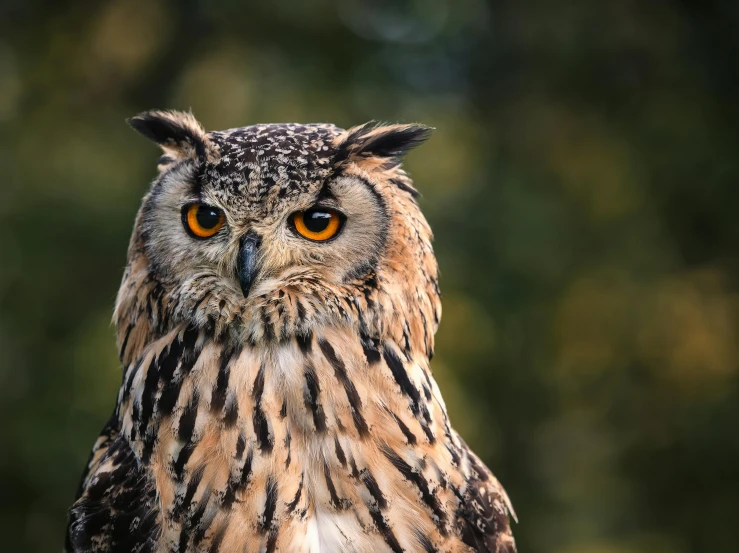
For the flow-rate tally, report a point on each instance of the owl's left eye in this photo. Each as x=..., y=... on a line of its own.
x=201, y=220
x=317, y=224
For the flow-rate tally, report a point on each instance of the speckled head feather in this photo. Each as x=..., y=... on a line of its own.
x=271, y=161
x=276, y=390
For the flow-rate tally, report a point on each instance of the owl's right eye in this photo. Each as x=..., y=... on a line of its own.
x=201, y=220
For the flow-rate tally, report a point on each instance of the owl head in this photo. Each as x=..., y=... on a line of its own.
x=268, y=232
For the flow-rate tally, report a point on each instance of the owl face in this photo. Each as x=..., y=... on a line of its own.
x=239, y=217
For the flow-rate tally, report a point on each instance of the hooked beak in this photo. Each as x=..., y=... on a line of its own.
x=248, y=261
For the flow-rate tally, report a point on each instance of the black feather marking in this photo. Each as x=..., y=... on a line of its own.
x=454, y=455
x=338, y=503
x=355, y=472
x=283, y=409
x=239, y=483
x=132, y=372
x=188, y=418
x=149, y=442
x=305, y=341
x=246, y=470
x=218, y=398
x=427, y=431
x=135, y=416
x=429, y=386
x=164, y=160
x=288, y=439
x=191, y=523
x=199, y=511
x=480, y=472
x=426, y=392
x=168, y=398
x=312, y=392
x=272, y=540
x=420, y=482
x=268, y=326
x=425, y=542
x=381, y=523
x=147, y=396
x=294, y=503
x=122, y=350
x=374, y=489
x=402, y=378
x=375, y=510
x=301, y=311
x=339, y=451
x=370, y=346
x=410, y=436
x=325, y=193
x=385, y=530
x=183, y=352
x=406, y=341
x=203, y=527
x=231, y=414
x=351, y=391
x=182, y=505
x=182, y=458
x=240, y=446
x=191, y=351
x=270, y=505
x=215, y=544
x=259, y=420
x=403, y=185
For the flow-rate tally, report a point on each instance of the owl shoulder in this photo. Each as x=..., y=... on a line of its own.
x=484, y=511
x=116, y=508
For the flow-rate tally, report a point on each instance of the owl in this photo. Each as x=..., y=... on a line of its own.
x=275, y=325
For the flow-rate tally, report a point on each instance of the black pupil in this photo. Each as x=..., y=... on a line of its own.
x=207, y=217
x=316, y=221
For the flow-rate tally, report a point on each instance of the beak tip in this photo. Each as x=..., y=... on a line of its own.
x=247, y=263
x=245, y=287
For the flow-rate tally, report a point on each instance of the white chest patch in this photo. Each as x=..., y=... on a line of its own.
x=329, y=533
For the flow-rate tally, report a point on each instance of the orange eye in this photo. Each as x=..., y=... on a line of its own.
x=202, y=221
x=317, y=224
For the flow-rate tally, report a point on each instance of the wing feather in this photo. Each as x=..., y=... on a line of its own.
x=484, y=510
x=116, y=508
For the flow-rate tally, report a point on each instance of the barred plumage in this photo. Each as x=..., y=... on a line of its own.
x=282, y=402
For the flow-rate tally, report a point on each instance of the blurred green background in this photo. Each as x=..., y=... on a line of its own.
x=583, y=185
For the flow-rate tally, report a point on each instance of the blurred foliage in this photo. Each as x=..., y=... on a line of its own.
x=582, y=184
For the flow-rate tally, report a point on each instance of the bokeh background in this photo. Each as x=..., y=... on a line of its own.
x=583, y=183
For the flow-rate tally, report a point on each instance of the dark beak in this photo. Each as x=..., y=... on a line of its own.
x=248, y=261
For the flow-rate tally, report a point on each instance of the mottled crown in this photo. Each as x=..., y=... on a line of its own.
x=279, y=161
x=288, y=156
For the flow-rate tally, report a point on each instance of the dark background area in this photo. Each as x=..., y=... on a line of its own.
x=582, y=183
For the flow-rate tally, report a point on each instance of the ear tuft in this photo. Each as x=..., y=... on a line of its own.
x=390, y=142
x=178, y=133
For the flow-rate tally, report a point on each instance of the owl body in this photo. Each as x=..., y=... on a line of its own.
x=276, y=392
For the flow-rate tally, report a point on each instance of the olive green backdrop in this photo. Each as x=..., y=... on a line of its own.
x=582, y=182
